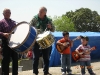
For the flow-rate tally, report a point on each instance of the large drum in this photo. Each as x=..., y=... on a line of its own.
x=45, y=40
x=23, y=38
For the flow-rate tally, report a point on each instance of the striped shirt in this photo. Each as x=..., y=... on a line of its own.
x=6, y=25
x=84, y=49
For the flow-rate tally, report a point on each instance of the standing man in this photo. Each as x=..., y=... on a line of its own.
x=41, y=21
x=6, y=25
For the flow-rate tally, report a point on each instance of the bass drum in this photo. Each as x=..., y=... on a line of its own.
x=23, y=38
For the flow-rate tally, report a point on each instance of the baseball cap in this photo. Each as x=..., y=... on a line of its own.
x=85, y=37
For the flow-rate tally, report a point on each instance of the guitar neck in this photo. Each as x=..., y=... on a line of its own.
x=74, y=39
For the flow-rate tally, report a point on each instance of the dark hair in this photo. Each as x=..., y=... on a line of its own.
x=65, y=33
x=85, y=37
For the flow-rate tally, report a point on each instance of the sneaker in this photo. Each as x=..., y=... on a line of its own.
x=47, y=74
x=63, y=73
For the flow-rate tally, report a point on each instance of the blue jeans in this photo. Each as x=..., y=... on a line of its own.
x=66, y=62
x=88, y=64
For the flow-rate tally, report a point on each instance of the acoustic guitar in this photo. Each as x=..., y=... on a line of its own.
x=76, y=56
x=61, y=48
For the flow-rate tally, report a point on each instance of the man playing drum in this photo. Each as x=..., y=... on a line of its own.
x=6, y=25
x=41, y=21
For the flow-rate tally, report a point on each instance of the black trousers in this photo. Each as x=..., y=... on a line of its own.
x=9, y=54
x=36, y=54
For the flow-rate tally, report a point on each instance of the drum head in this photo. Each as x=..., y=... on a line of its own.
x=20, y=33
x=46, y=33
x=39, y=36
x=39, y=39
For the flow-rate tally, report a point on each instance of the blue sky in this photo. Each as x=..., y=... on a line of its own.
x=24, y=10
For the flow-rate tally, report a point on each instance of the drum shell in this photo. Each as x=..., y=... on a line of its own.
x=28, y=42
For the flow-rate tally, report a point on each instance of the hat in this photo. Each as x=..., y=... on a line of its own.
x=85, y=37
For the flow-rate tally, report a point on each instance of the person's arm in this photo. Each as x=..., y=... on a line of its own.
x=1, y=33
x=59, y=42
x=89, y=50
x=77, y=50
x=71, y=45
x=33, y=22
x=52, y=26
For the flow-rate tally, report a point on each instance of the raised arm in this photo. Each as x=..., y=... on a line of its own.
x=53, y=27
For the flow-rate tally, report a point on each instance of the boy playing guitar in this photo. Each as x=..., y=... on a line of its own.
x=84, y=51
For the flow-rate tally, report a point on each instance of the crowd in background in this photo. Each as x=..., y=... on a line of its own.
x=26, y=55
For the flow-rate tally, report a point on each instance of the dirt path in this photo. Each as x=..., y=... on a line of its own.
x=57, y=71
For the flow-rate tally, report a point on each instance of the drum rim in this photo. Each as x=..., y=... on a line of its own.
x=31, y=44
x=27, y=34
x=29, y=47
x=48, y=45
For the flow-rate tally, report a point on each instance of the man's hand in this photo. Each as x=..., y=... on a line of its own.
x=49, y=26
x=6, y=35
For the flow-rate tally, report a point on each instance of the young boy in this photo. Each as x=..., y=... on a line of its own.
x=85, y=57
x=66, y=54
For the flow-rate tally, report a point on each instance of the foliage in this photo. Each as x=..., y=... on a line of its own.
x=63, y=23
x=85, y=20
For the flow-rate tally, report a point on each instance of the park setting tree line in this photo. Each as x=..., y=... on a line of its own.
x=80, y=20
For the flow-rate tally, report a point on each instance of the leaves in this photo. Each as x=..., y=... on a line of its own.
x=85, y=20
x=63, y=23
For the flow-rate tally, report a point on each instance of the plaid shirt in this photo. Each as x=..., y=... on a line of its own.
x=6, y=25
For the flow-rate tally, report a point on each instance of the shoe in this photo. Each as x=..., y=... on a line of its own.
x=63, y=73
x=93, y=74
x=35, y=74
x=70, y=73
x=47, y=74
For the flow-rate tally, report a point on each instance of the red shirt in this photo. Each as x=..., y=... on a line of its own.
x=30, y=54
x=67, y=50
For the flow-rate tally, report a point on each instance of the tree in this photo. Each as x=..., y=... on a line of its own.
x=85, y=20
x=63, y=23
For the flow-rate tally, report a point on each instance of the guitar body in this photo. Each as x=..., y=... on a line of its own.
x=61, y=48
x=76, y=56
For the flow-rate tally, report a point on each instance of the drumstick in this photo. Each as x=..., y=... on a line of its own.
x=11, y=32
